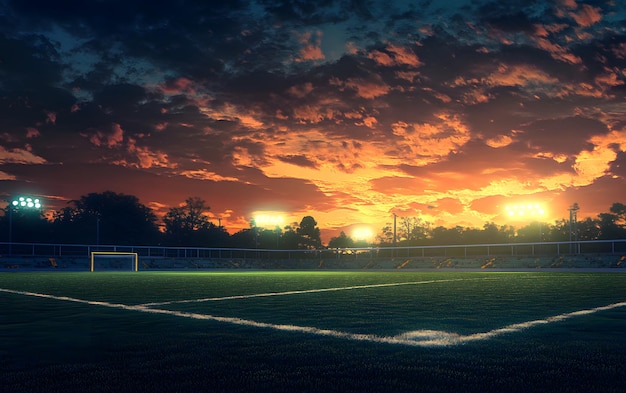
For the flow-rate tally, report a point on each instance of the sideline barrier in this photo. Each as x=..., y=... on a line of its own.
x=591, y=247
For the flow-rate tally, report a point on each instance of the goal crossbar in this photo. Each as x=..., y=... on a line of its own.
x=134, y=255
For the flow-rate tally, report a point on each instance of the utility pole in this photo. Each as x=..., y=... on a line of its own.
x=573, y=232
x=394, y=229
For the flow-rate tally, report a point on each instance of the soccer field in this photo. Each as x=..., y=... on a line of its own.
x=313, y=331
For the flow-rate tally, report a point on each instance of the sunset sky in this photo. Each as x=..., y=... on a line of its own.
x=348, y=111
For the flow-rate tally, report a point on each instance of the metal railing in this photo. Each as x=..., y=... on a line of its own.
x=595, y=247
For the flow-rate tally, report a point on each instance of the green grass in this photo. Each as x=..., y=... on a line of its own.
x=56, y=345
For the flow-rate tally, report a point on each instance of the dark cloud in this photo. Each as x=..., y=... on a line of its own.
x=345, y=109
x=567, y=136
x=299, y=160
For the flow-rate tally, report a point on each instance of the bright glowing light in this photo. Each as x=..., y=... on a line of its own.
x=532, y=210
x=32, y=203
x=362, y=233
x=269, y=220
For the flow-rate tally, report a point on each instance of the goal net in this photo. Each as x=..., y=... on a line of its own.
x=112, y=260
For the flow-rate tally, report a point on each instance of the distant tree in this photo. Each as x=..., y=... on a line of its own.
x=290, y=240
x=66, y=224
x=589, y=229
x=386, y=234
x=531, y=233
x=491, y=233
x=341, y=241
x=106, y=218
x=442, y=235
x=269, y=238
x=309, y=233
x=413, y=230
x=612, y=225
x=189, y=225
x=560, y=231
x=245, y=238
x=619, y=210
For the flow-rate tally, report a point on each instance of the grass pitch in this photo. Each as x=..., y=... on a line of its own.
x=312, y=331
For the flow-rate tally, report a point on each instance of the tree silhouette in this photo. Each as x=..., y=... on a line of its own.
x=189, y=225
x=309, y=233
x=341, y=241
x=106, y=218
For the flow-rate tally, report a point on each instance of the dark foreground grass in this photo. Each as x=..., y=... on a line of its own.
x=50, y=345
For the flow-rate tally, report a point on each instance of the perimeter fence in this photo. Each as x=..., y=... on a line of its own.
x=593, y=247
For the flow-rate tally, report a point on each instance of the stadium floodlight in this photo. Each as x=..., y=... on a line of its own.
x=268, y=220
x=362, y=234
x=526, y=211
x=28, y=202
x=21, y=203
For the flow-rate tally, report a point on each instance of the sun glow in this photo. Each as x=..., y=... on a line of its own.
x=363, y=233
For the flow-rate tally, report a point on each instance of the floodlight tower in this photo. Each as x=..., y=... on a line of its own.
x=573, y=232
x=20, y=203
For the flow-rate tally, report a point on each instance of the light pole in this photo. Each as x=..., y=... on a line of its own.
x=394, y=229
x=98, y=229
x=20, y=202
x=572, y=224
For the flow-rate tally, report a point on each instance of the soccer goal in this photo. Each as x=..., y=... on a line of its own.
x=113, y=260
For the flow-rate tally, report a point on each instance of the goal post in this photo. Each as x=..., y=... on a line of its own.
x=133, y=257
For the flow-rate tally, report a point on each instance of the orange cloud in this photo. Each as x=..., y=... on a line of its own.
x=429, y=142
x=203, y=174
x=147, y=158
x=520, y=75
x=587, y=16
x=19, y=156
x=399, y=55
x=499, y=141
x=404, y=56
x=309, y=114
x=111, y=139
x=381, y=58
x=368, y=89
x=32, y=133
x=301, y=91
x=247, y=116
x=557, y=51
x=311, y=50
x=179, y=85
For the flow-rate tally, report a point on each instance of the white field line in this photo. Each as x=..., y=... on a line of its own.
x=269, y=294
x=422, y=338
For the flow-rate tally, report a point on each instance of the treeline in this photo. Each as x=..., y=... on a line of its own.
x=412, y=231
x=607, y=226
x=112, y=218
